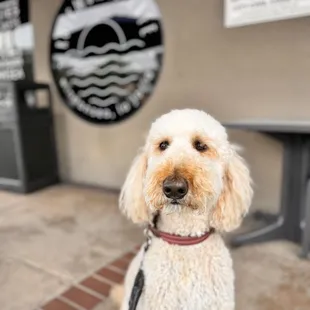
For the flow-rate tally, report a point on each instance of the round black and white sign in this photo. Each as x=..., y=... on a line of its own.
x=106, y=56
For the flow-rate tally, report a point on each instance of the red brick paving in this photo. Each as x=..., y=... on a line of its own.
x=81, y=298
x=111, y=275
x=57, y=304
x=97, y=286
x=100, y=289
x=121, y=263
x=129, y=256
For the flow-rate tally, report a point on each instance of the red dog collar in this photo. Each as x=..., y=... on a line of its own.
x=180, y=240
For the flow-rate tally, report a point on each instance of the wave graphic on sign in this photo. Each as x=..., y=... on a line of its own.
x=115, y=68
x=90, y=81
x=103, y=92
x=106, y=48
x=103, y=103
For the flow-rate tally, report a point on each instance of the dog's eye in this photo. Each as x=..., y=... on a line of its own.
x=163, y=145
x=200, y=147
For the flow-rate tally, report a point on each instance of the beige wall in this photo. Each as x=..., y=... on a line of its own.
x=254, y=71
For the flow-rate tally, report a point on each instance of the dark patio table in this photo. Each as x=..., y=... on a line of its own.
x=293, y=221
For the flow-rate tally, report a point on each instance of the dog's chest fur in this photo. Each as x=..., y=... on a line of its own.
x=198, y=277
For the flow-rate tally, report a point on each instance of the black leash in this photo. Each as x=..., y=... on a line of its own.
x=137, y=289
x=139, y=280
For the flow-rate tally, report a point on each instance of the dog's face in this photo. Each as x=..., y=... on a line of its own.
x=184, y=153
x=187, y=165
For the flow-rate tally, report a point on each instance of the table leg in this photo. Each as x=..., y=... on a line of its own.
x=285, y=225
x=305, y=250
x=269, y=232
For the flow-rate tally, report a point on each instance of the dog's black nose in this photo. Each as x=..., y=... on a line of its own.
x=175, y=188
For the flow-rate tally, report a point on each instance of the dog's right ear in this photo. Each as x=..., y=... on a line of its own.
x=131, y=201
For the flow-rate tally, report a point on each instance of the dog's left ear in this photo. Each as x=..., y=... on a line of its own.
x=236, y=197
x=131, y=201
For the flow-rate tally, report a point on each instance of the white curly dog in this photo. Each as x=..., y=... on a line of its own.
x=191, y=177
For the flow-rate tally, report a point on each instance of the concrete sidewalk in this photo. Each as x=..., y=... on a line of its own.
x=55, y=237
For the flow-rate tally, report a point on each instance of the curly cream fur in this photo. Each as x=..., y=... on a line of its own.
x=131, y=199
x=198, y=277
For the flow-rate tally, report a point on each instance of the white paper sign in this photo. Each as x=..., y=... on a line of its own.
x=246, y=12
